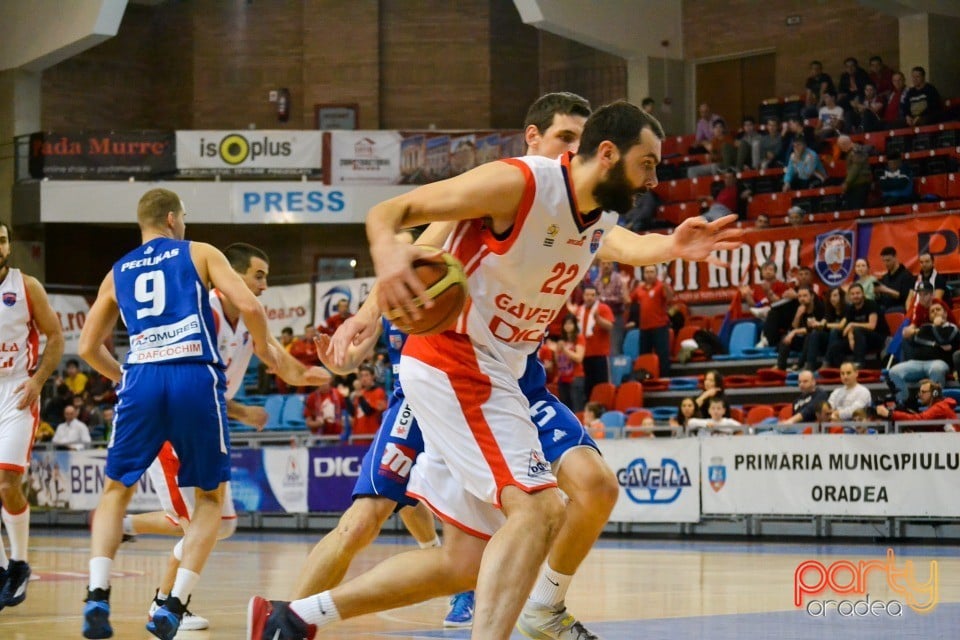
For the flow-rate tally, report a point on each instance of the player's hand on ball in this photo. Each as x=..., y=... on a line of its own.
x=399, y=288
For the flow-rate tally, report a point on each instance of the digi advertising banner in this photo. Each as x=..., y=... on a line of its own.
x=858, y=475
x=830, y=249
x=333, y=471
x=659, y=479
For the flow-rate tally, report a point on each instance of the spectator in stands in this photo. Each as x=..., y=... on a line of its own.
x=650, y=300
x=748, y=145
x=723, y=152
x=732, y=197
x=918, y=313
x=811, y=397
x=821, y=331
x=896, y=182
x=864, y=330
x=893, y=109
x=763, y=221
x=866, y=114
x=337, y=319
x=795, y=216
x=809, y=307
x=286, y=338
x=103, y=430
x=712, y=388
x=648, y=105
x=367, y=404
x=769, y=146
x=851, y=395
x=53, y=407
x=100, y=390
x=792, y=129
x=591, y=419
x=934, y=407
x=687, y=410
x=866, y=279
x=323, y=411
x=934, y=346
x=71, y=433
x=859, y=179
x=613, y=289
x=831, y=117
x=824, y=413
x=704, y=131
x=852, y=81
x=929, y=275
x=804, y=170
x=596, y=321
x=760, y=297
x=75, y=379
x=881, y=76
x=895, y=284
x=716, y=419
x=805, y=277
x=44, y=433
x=570, y=350
x=922, y=102
x=818, y=81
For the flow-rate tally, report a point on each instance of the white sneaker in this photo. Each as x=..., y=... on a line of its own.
x=190, y=621
x=543, y=623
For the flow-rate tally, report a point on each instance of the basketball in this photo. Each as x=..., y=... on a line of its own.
x=446, y=284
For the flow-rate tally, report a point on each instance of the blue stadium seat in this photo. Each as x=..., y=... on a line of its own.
x=743, y=337
x=293, y=413
x=274, y=408
x=683, y=384
x=614, y=422
x=620, y=366
x=631, y=345
x=663, y=414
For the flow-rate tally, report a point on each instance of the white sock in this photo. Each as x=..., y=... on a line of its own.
x=128, y=528
x=18, y=530
x=161, y=596
x=551, y=587
x=432, y=544
x=3, y=552
x=184, y=584
x=100, y=572
x=318, y=609
x=178, y=550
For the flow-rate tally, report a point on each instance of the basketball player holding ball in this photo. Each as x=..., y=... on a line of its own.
x=483, y=471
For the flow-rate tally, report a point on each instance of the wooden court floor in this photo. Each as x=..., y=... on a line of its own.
x=625, y=590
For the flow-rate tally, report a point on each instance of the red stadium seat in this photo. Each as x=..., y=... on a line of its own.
x=758, y=414
x=604, y=393
x=629, y=396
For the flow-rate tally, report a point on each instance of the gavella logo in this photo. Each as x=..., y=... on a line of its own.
x=813, y=578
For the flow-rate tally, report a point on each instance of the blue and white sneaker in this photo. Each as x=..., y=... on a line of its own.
x=461, y=611
x=14, y=589
x=166, y=620
x=96, y=615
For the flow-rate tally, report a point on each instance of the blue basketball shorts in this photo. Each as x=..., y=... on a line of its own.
x=178, y=403
x=385, y=470
x=558, y=427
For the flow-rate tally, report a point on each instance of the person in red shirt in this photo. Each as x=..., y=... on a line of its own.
x=650, y=300
x=303, y=348
x=596, y=320
x=892, y=113
x=337, y=319
x=323, y=411
x=569, y=352
x=367, y=404
x=930, y=395
x=761, y=297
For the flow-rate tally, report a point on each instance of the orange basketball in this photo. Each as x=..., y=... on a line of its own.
x=446, y=284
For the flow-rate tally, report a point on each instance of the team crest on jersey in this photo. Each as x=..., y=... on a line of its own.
x=10, y=298
x=552, y=232
x=595, y=240
x=396, y=342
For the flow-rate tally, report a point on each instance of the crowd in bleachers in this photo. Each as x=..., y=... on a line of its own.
x=867, y=145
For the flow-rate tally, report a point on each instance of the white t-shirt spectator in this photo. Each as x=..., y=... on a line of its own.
x=845, y=401
x=73, y=434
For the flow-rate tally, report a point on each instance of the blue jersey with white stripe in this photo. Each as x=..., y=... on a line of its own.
x=164, y=305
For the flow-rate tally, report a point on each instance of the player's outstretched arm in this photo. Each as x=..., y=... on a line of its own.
x=253, y=416
x=294, y=372
x=694, y=240
x=219, y=272
x=49, y=325
x=96, y=329
x=493, y=191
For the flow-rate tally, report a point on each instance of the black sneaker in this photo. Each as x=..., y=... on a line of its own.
x=274, y=620
x=15, y=588
x=3, y=580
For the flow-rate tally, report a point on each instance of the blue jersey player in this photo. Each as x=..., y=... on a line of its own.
x=171, y=389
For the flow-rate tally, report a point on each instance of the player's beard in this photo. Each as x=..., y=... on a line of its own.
x=615, y=193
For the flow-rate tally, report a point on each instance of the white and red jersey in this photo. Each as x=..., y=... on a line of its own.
x=518, y=283
x=19, y=338
x=233, y=343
